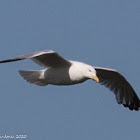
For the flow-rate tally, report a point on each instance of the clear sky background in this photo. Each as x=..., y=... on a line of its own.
x=98, y=32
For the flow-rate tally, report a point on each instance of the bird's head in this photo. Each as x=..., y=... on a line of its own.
x=80, y=70
x=91, y=73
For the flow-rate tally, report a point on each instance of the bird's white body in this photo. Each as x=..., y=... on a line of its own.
x=77, y=73
x=59, y=76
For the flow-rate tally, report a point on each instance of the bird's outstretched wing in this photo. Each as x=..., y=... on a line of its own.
x=124, y=92
x=47, y=58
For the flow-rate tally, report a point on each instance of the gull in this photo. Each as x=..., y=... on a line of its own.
x=59, y=71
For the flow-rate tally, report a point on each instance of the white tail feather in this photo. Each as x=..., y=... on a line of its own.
x=33, y=77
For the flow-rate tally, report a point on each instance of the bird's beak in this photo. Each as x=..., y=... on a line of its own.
x=96, y=79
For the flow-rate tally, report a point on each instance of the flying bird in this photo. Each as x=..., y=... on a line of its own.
x=59, y=71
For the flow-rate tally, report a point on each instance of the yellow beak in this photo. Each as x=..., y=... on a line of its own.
x=96, y=79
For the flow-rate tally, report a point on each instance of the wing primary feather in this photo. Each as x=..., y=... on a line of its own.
x=124, y=92
x=11, y=60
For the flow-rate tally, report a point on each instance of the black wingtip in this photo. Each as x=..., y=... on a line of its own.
x=133, y=105
x=11, y=60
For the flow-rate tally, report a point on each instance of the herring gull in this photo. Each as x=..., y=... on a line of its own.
x=59, y=71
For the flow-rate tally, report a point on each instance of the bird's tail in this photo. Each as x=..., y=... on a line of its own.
x=34, y=77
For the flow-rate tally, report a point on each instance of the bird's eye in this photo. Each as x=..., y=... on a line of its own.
x=89, y=70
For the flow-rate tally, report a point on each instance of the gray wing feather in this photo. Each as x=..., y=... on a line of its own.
x=124, y=92
x=47, y=58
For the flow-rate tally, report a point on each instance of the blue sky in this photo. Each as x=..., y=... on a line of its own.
x=100, y=33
